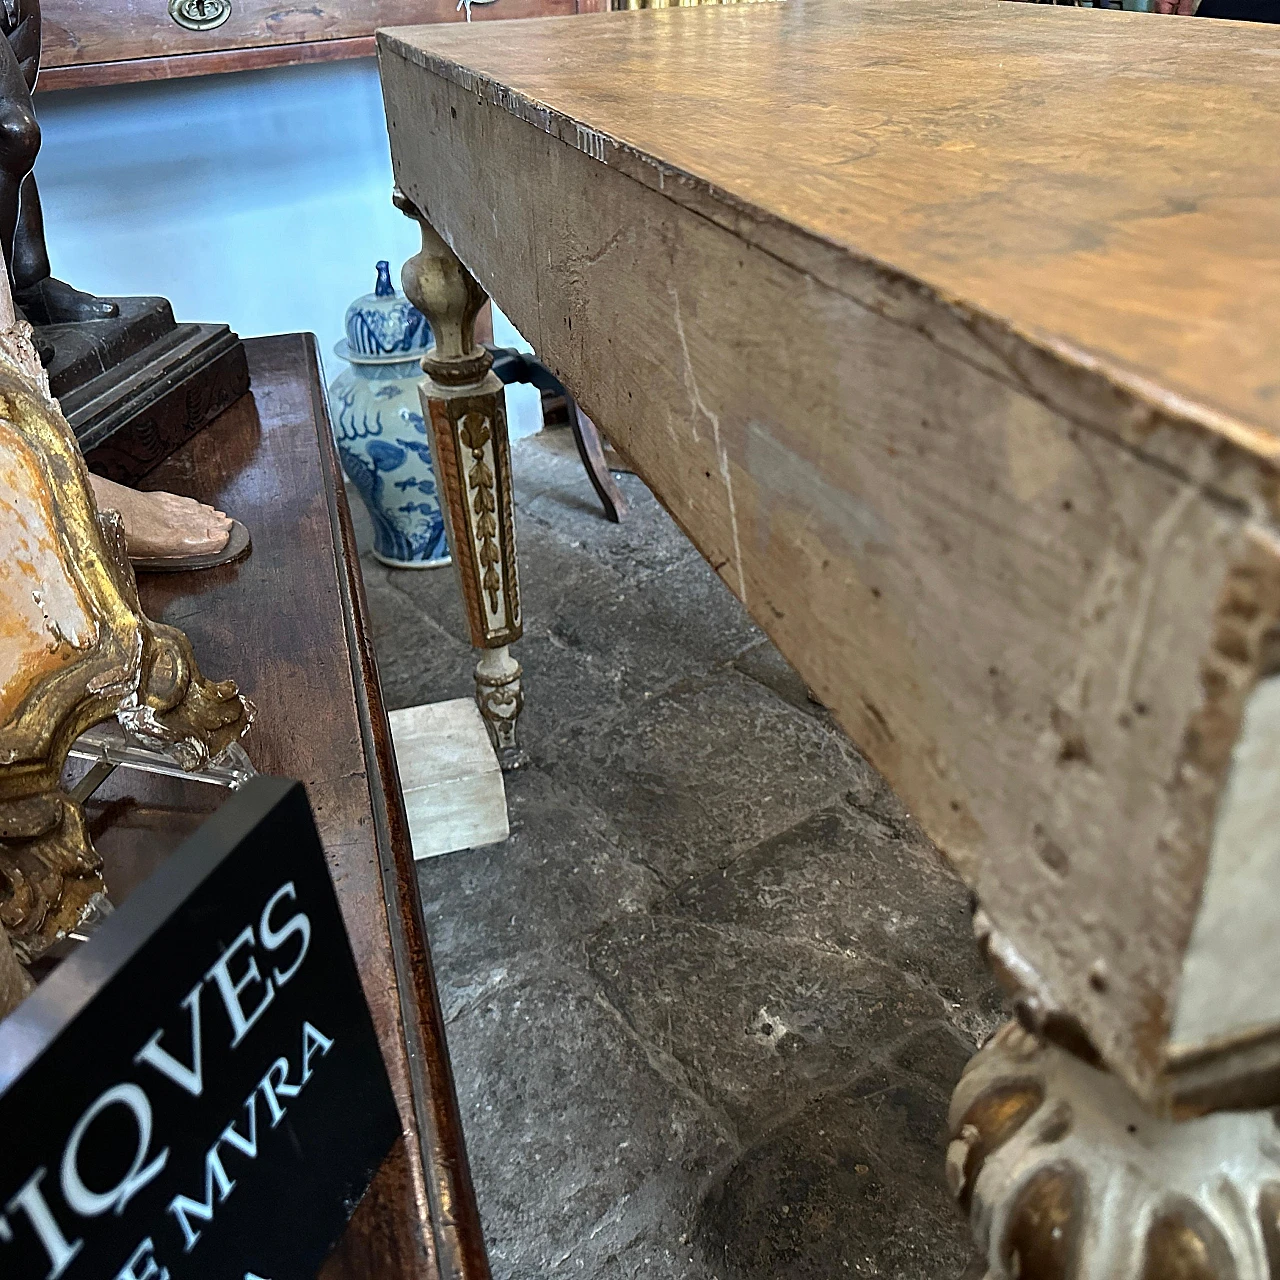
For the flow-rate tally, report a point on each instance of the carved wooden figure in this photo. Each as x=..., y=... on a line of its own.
x=464, y=405
x=75, y=650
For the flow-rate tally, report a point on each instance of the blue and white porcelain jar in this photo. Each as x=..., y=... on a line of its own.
x=377, y=419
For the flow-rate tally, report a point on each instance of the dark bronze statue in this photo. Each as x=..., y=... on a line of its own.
x=133, y=382
x=43, y=299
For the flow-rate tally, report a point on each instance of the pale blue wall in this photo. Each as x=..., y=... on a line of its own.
x=260, y=199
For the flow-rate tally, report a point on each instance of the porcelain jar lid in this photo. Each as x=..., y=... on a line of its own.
x=384, y=327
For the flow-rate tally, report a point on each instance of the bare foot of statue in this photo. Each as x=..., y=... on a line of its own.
x=163, y=525
x=51, y=301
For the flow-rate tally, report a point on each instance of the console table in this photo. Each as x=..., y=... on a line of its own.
x=289, y=623
x=950, y=335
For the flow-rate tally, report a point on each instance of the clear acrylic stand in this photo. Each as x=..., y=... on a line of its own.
x=108, y=748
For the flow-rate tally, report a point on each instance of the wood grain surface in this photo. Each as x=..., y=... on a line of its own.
x=288, y=624
x=1101, y=182
x=90, y=42
x=950, y=334
x=82, y=75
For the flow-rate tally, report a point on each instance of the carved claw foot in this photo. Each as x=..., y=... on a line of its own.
x=173, y=708
x=1065, y=1176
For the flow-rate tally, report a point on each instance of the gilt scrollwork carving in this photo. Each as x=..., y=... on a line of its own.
x=75, y=650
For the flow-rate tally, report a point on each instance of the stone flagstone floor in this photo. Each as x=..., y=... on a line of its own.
x=708, y=1003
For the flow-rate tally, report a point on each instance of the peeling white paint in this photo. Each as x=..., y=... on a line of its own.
x=591, y=142
x=700, y=407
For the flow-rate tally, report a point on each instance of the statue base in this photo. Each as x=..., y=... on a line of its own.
x=136, y=387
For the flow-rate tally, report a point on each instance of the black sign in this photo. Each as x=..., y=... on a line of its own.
x=197, y=1091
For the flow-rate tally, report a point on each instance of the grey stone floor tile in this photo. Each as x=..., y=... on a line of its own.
x=850, y=1187
x=601, y=1156
x=692, y=778
x=763, y=663
x=672, y=627
x=557, y=880
x=417, y=660
x=759, y=1024
x=852, y=882
x=553, y=490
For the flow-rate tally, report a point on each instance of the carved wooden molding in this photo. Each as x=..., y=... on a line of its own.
x=464, y=405
x=1063, y=1172
x=473, y=466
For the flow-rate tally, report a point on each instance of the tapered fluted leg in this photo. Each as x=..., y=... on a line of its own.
x=465, y=410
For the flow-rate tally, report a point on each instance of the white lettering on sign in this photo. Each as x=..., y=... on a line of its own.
x=275, y=1085
x=178, y=1055
x=232, y=1136
x=89, y=1204
x=184, y=1208
x=30, y=1199
x=217, y=1184
x=143, y=1256
x=274, y=939
x=154, y=1054
x=231, y=989
x=311, y=1041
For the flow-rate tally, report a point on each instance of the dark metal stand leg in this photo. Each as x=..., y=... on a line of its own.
x=516, y=366
x=591, y=451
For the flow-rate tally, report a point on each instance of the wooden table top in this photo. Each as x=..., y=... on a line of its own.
x=950, y=334
x=1103, y=182
x=289, y=625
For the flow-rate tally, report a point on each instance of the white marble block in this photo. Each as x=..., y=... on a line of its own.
x=453, y=789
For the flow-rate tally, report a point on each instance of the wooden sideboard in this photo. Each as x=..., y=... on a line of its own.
x=289, y=624
x=96, y=42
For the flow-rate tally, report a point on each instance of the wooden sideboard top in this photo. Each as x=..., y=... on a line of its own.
x=289, y=625
x=1104, y=184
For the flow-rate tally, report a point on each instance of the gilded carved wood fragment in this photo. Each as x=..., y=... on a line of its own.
x=75, y=650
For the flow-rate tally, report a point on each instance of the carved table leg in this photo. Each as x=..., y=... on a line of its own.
x=464, y=406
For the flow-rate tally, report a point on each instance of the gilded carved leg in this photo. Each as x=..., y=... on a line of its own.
x=1064, y=1175
x=465, y=409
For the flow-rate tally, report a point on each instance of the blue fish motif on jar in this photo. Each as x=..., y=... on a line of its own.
x=377, y=420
